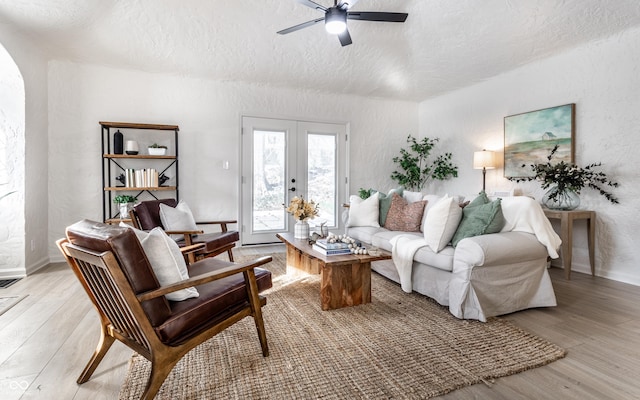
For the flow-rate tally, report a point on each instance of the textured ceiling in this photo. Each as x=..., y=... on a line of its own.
x=443, y=45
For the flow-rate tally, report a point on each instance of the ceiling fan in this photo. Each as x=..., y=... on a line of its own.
x=335, y=18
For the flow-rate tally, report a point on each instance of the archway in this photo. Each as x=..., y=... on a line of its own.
x=12, y=168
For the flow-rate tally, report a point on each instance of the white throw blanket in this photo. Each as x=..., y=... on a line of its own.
x=524, y=214
x=402, y=252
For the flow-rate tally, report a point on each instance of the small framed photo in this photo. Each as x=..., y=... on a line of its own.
x=529, y=138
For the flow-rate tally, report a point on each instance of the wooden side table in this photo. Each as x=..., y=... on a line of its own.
x=566, y=234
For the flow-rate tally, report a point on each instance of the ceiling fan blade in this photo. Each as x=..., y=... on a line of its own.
x=345, y=38
x=312, y=4
x=346, y=4
x=377, y=16
x=300, y=26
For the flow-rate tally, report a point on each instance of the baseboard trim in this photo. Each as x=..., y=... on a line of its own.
x=38, y=265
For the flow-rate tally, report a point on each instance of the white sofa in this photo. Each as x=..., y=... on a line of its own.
x=483, y=276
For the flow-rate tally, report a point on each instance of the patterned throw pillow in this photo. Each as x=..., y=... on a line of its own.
x=403, y=216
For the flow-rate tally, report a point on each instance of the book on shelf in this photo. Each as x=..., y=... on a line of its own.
x=331, y=246
x=331, y=252
x=140, y=178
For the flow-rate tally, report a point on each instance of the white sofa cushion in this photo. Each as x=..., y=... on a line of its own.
x=382, y=239
x=364, y=212
x=364, y=233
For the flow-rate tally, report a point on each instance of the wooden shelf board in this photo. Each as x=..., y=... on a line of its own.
x=131, y=125
x=139, y=156
x=133, y=189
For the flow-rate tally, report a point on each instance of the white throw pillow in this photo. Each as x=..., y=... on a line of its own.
x=364, y=212
x=441, y=223
x=166, y=260
x=412, y=197
x=179, y=218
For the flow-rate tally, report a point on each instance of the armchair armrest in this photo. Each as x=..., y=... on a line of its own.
x=216, y=222
x=204, y=278
x=223, y=224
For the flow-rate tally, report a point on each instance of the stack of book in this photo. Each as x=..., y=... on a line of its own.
x=331, y=249
x=141, y=178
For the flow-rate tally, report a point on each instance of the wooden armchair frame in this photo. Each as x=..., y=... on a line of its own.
x=123, y=318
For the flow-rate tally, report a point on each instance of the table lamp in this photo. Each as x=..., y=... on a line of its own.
x=483, y=160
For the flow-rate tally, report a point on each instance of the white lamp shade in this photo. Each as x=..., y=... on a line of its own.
x=483, y=159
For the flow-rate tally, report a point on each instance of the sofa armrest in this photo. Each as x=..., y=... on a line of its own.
x=497, y=249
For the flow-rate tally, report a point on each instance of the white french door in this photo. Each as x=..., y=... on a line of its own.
x=282, y=159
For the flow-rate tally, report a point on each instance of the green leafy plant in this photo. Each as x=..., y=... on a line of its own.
x=568, y=176
x=157, y=146
x=124, y=198
x=364, y=193
x=415, y=167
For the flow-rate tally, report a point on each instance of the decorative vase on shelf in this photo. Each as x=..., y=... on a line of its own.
x=124, y=209
x=301, y=230
x=566, y=200
x=118, y=139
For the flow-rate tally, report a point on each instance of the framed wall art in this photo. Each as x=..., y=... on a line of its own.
x=529, y=138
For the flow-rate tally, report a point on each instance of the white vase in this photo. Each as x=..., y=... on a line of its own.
x=301, y=230
x=124, y=210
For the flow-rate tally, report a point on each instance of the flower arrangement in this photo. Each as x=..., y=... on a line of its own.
x=302, y=210
x=570, y=177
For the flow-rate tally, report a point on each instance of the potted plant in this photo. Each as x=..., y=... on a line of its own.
x=125, y=202
x=417, y=170
x=302, y=211
x=157, y=150
x=566, y=180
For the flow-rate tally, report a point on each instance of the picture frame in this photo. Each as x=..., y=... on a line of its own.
x=529, y=138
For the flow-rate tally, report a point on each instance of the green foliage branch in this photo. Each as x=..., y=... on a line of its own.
x=568, y=176
x=415, y=169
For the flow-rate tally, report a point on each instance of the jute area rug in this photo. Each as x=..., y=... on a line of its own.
x=400, y=346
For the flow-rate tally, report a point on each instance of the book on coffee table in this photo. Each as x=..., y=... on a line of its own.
x=331, y=252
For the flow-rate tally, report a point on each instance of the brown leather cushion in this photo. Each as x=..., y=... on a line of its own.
x=213, y=241
x=126, y=248
x=218, y=300
x=148, y=212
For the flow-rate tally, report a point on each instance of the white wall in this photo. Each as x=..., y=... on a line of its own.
x=209, y=115
x=30, y=169
x=603, y=79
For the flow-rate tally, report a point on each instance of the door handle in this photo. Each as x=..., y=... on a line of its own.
x=293, y=189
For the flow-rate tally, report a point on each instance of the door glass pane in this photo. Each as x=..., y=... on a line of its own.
x=268, y=180
x=321, y=178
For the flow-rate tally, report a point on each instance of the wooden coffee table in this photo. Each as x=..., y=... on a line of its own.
x=345, y=279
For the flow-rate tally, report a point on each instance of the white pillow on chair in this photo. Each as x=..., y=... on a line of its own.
x=179, y=218
x=166, y=260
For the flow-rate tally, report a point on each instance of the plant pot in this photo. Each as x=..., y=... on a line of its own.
x=157, y=151
x=301, y=230
x=124, y=209
x=566, y=200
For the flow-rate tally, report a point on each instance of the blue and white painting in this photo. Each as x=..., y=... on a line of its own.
x=530, y=137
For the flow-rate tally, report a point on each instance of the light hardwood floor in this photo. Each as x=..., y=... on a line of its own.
x=46, y=339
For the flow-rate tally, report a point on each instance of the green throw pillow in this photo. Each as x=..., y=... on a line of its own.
x=385, y=202
x=479, y=218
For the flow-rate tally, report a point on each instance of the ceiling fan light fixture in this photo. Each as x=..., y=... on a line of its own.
x=335, y=20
